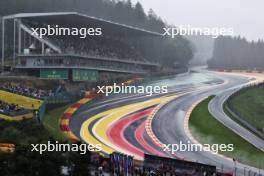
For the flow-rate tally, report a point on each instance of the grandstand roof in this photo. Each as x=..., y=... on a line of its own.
x=74, y=19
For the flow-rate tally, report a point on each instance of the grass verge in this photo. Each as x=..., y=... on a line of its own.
x=250, y=105
x=206, y=129
x=51, y=122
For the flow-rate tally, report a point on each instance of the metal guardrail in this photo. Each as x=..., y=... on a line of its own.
x=235, y=114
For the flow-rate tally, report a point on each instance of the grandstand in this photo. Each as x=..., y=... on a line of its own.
x=26, y=91
x=116, y=51
x=14, y=112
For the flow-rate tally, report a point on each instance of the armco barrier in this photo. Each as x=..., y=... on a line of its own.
x=237, y=115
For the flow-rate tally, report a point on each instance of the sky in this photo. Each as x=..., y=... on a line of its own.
x=246, y=17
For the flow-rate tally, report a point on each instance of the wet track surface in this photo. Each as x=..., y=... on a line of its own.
x=119, y=122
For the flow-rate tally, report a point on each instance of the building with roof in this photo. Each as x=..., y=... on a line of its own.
x=64, y=55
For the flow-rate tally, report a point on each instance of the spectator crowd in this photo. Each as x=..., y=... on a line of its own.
x=9, y=109
x=119, y=164
x=26, y=91
x=99, y=46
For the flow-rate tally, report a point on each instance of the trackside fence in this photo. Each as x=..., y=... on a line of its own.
x=253, y=124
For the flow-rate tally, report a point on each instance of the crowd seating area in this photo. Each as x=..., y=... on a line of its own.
x=99, y=47
x=11, y=109
x=26, y=91
x=96, y=46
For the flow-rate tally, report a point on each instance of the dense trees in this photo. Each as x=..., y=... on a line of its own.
x=25, y=162
x=119, y=11
x=237, y=53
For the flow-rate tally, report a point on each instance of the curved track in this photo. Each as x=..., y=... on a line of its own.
x=216, y=109
x=119, y=123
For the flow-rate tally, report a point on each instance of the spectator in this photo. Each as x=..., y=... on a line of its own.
x=9, y=109
x=26, y=91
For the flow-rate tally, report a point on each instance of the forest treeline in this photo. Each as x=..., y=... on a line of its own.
x=237, y=53
x=167, y=51
x=120, y=11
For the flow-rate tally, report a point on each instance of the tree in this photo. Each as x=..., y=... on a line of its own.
x=237, y=53
x=140, y=14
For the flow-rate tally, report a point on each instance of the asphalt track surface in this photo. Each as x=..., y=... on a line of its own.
x=119, y=122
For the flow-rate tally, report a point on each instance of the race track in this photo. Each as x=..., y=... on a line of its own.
x=136, y=124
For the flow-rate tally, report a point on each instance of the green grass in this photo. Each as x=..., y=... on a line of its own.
x=229, y=114
x=51, y=122
x=206, y=129
x=250, y=105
